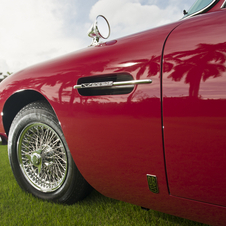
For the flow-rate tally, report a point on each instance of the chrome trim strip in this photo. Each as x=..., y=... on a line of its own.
x=200, y=11
x=133, y=82
x=223, y=5
x=94, y=85
x=110, y=84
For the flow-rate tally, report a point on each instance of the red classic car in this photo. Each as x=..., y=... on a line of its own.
x=141, y=119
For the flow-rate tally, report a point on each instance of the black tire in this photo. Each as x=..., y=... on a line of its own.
x=40, y=159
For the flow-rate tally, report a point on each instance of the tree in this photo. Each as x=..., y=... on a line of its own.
x=2, y=77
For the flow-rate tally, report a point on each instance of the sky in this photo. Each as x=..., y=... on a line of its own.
x=32, y=31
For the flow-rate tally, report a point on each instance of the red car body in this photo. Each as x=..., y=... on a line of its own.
x=173, y=128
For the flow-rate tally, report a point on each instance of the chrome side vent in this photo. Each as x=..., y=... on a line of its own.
x=103, y=85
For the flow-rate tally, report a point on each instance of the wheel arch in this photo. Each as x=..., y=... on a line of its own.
x=15, y=103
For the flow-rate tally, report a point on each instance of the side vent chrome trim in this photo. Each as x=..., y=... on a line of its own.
x=152, y=183
x=111, y=83
x=108, y=84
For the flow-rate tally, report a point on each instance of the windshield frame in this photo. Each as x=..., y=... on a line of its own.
x=209, y=6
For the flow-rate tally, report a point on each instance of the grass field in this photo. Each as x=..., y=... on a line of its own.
x=20, y=208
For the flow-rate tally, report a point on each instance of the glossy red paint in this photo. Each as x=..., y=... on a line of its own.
x=115, y=140
x=110, y=137
x=194, y=109
x=113, y=133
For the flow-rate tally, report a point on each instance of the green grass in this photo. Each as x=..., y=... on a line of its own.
x=20, y=208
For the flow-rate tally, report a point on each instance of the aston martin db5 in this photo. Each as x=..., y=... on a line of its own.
x=140, y=119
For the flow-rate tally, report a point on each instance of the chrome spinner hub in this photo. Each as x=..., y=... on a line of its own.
x=36, y=159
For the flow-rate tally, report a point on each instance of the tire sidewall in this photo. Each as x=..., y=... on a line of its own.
x=24, y=118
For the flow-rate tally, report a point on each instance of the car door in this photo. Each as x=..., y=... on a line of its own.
x=194, y=109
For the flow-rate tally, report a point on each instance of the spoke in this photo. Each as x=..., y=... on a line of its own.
x=59, y=164
x=43, y=156
x=29, y=136
x=56, y=173
x=60, y=158
x=53, y=144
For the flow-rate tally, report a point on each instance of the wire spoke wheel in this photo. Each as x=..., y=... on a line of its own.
x=42, y=157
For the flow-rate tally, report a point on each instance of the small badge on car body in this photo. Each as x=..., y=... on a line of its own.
x=94, y=85
x=152, y=183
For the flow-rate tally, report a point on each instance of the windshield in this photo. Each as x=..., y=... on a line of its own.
x=198, y=7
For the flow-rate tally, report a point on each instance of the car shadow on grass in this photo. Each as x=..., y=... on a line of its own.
x=129, y=211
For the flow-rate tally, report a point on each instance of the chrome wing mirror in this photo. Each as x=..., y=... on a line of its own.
x=99, y=29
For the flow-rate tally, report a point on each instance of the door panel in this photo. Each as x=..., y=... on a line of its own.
x=194, y=109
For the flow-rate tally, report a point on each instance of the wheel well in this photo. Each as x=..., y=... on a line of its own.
x=15, y=103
